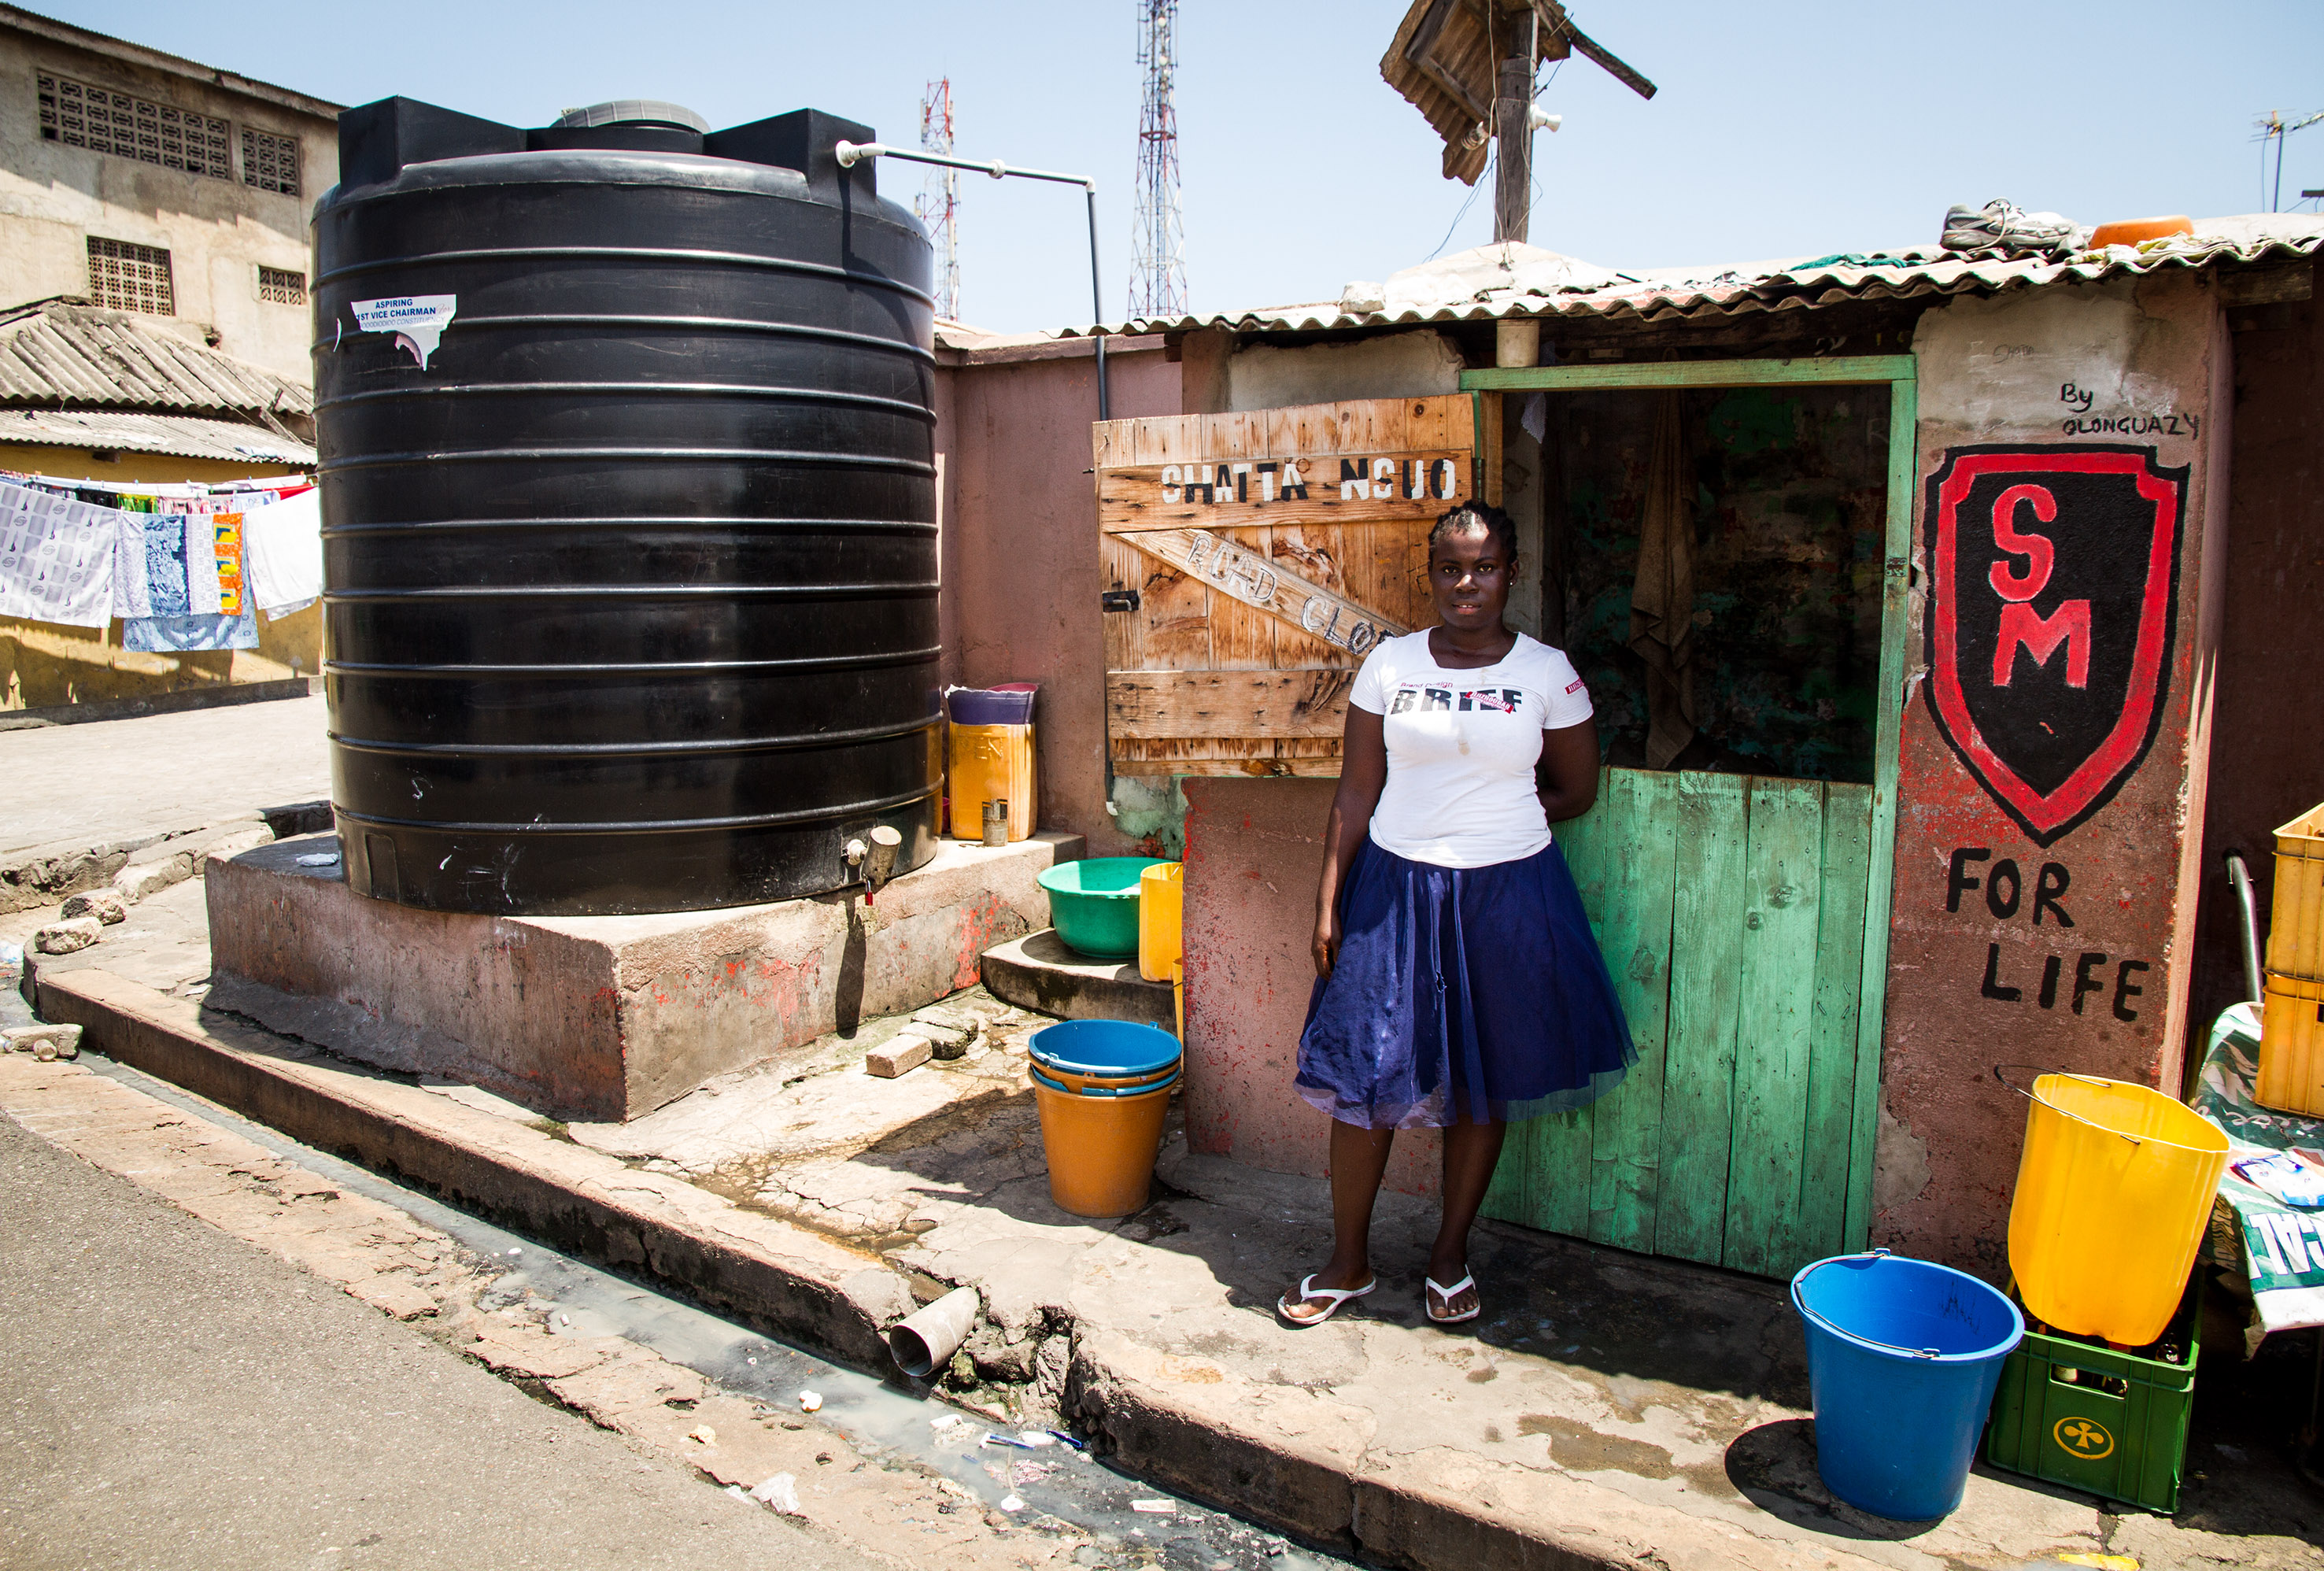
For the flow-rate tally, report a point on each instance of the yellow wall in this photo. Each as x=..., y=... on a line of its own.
x=43, y=665
x=127, y=468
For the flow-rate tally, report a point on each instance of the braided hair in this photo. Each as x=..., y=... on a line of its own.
x=1482, y=516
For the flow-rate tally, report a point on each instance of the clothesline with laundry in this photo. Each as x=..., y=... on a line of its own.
x=183, y=567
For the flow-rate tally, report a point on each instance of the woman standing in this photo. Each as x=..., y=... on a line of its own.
x=1459, y=984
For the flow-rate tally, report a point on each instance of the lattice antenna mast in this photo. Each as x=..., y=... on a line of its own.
x=939, y=207
x=1157, y=278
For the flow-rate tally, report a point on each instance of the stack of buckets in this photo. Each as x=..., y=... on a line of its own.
x=1103, y=1090
x=1903, y=1356
x=1103, y=1085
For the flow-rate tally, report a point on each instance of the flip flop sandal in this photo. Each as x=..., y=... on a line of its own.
x=1307, y=1289
x=1467, y=1283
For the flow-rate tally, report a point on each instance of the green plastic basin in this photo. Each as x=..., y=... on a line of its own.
x=1094, y=904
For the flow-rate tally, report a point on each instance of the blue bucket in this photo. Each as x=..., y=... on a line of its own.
x=1106, y=1048
x=1902, y=1358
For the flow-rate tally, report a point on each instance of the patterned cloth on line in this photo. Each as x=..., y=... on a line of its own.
x=56, y=557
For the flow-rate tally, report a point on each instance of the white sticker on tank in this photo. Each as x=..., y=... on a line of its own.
x=417, y=320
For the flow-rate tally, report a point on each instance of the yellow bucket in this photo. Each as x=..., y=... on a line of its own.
x=1101, y=1147
x=1161, y=918
x=1179, y=993
x=2113, y=1192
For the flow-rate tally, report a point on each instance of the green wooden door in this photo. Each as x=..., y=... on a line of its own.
x=1731, y=911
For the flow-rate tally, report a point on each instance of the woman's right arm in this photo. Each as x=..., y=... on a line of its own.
x=1364, y=772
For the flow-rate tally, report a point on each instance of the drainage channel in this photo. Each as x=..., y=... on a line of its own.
x=880, y=1417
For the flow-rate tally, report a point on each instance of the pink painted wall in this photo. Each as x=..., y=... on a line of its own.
x=1020, y=548
x=1966, y=985
x=1254, y=848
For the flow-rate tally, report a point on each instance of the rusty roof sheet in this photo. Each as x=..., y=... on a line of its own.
x=58, y=353
x=1494, y=283
x=177, y=436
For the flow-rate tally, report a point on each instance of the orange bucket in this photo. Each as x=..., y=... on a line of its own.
x=1100, y=1146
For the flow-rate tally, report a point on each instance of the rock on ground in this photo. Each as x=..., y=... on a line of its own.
x=105, y=905
x=69, y=936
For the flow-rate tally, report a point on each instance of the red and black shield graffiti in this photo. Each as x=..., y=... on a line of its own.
x=2053, y=594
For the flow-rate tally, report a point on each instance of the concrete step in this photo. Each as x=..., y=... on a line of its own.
x=1039, y=972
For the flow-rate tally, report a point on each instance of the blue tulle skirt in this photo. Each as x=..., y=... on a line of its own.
x=1462, y=996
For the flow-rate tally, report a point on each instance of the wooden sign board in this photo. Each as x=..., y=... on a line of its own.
x=1270, y=551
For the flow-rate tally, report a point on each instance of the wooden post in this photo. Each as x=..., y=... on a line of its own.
x=1513, y=126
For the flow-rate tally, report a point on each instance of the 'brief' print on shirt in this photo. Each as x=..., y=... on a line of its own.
x=1498, y=700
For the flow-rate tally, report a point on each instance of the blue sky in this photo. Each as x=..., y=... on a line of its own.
x=1782, y=130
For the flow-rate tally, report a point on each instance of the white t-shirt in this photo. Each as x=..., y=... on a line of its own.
x=1462, y=746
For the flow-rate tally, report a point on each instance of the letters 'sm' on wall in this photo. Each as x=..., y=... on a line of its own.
x=2073, y=451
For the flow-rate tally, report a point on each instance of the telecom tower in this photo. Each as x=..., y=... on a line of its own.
x=938, y=208
x=1158, y=279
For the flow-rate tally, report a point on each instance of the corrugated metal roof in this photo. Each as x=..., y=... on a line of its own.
x=179, y=436
x=82, y=356
x=1496, y=281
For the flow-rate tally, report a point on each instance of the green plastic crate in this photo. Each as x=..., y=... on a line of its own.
x=2080, y=1414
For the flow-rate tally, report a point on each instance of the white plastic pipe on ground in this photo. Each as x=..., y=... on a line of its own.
x=923, y=1342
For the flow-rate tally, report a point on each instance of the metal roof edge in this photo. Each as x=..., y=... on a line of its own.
x=170, y=436
x=1676, y=292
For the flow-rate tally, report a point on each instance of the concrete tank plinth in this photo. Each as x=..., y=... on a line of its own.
x=601, y=1018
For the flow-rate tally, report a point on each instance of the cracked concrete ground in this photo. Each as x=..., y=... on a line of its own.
x=1601, y=1387
x=1626, y=1409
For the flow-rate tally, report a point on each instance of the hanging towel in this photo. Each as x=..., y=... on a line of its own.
x=162, y=552
x=283, y=550
x=226, y=552
x=204, y=589
x=56, y=558
x=1662, y=599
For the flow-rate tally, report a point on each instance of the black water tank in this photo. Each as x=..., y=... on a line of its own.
x=627, y=460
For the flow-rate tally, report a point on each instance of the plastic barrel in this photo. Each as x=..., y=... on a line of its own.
x=1101, y=1144
x=629, y=559
x=1161, y=914
x=1903, y=1357
x=2114, y=1190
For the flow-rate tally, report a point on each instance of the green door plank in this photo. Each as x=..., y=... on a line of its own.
x=1641, y=863
x=1822, y=1212
x=1706, y=972
x=1833, y=368
x=1775, y=1022
x=1544, y=1177
x=1559, y=1190
x=1895, y=588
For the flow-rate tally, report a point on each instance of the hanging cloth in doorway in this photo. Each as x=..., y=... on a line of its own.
x=1662, y=600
